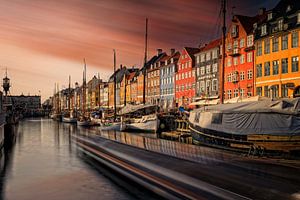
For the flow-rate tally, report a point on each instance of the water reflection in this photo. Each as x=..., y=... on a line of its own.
x=44, y=164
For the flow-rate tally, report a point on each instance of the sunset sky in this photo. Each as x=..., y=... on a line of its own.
x=42, y=42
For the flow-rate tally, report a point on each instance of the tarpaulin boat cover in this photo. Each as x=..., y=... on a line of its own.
x=279, y=117
x=133, y=108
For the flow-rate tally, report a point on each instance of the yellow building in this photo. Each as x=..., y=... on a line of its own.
x=277, y=53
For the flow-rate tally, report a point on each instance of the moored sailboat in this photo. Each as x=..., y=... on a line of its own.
x=139, y=118
x=84, y=119
x=69, y=117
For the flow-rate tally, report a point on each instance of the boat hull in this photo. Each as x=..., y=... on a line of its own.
x=247, y=143
x=112, y=127
x=148, y=126
x=69, y=120
x=84, y=123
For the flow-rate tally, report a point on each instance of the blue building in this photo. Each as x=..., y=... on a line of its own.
x=167, y=80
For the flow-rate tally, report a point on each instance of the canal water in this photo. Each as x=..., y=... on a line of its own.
x=44, y=164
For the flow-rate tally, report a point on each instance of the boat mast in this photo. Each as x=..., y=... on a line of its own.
x=69, y=95
x=145, y=61
x=115, y=82
x=223, y=52
x=84, y=88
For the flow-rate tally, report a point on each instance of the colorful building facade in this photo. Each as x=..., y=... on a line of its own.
x=277, y=72
x=167, y=80
x=207, y=71
x=239, y=64
x=153, y=77
x=185, y=77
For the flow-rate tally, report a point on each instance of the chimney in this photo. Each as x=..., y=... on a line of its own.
x=159, y=51
x=262, y=11
x=172, y=51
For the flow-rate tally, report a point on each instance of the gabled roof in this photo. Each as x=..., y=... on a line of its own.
x=213, y=44
x=247, y=22
x=192, y=51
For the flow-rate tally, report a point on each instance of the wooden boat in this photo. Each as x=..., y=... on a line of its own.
x=262, y=126
x=84, y=120
x=139, y=118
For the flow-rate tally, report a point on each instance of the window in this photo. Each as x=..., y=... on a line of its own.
x=275, y=91
x=266, y=90
x=275, y=44
x=280, y=24
x=267, y=46
x=215, y=54
x=236, y=93
x=242, y=92
x=295, y=39
x=202, y=70
x=284, y=42
x=267, y=69
x=202, y=86
x=259, y=70
x=249, y=74
x=229, y=94
x=284, y=90
x=249, y=40
x=259, y=49
x=215, y=67
x=235, y=44
x=284, y=65
x=298, y=18
x=234, y=30
x=215, y=85
x=242, y=43
x=197, y=59
x=202, y=57
x=275, y=67
x=295, y=64
x=235, y=61
x=242, y=59
x=259, y=91
x=207, y=56
x=229, y=46
x=270, y=15
x=264, y=30
x=242, y=76
x=228, y=62
x=208, y=69
x=249, y=57
x=208, y=87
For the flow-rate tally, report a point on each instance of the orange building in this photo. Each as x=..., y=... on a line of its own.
x=140, y=87
x=277, y=52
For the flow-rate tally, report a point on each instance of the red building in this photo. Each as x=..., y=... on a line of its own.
x=239, y=63
x=185, y=78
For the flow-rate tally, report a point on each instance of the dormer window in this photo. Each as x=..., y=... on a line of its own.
x=270, y=16
x=166, y=62
x=255, y=26
x=234, y=31
x=264, y=30
x=280, y=24
x=288, y=8
x=172, y=60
